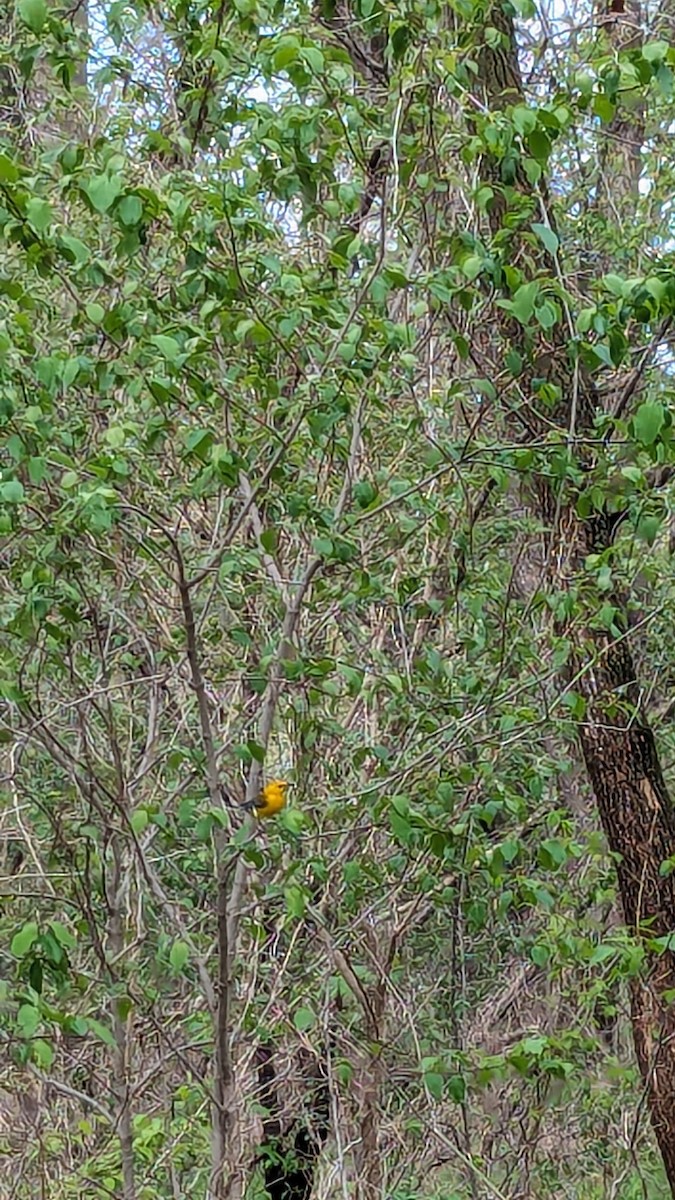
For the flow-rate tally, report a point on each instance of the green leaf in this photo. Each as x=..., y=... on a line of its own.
x=244, y=327
x=665, y=81
x=602, y=954
x=115, y=436
x=42, y=1053
x=483, y=197
x=199, y=442
x=256, y=751
x=296, y=901
x=434, y=1082
x=28, y=1019
x=400, y=827
x=287, y=51
x=364, y=493
x=314, y=59
x=524, y=119
x=522, y=305
x=485, y=387
x=95, y=312
x=63, y=935
x=12, y=491
x=125, y=1005
x=472, y=266
x=33, y=13
x=576, y=704
x=547, y=236
x=663, y=944
x=616, y=284
x=39, y=214
x=648, y=422
x=534, y=1045
x=514, y=362
x=539, y=145
x=168, y=346
x=178, y=955
x=37, y=470
x=658, y=288
x=552, y=854
x=304, y=1018
x=23, y=940
x=401, y=803
x=295, y=820
x=8, y=171
x=509, y=849
x=533, y=171
x=653, y=52
x=456, y=1088
x=546, y=315
x=102, y=191
x=76, y=248
x=648, y=528
x=139, y=820
x=102, y=1031
x=602, y=353
x=353, y=677
x=130, y=210
x=603, y=108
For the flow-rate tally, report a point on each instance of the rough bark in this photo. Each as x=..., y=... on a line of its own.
x=368, y=1070
x=368, y=1088
x=617, y=743
x=121, y=1051
x=223, y=1178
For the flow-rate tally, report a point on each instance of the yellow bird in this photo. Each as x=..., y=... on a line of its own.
x=271, y=800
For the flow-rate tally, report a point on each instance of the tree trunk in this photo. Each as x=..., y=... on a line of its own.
x=121, y=1052
x=617, y=744
x=292, y=1147
x=637, y=816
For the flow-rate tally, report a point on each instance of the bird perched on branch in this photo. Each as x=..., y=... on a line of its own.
x=270, y=801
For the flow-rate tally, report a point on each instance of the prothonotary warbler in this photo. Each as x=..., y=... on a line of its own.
x=271, y=800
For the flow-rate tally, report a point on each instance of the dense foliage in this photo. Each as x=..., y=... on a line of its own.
x=267, y=462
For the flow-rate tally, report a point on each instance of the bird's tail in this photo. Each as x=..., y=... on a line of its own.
x=231, y=801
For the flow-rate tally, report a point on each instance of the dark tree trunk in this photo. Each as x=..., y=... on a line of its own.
x=637, y=816
x=618, y=746
x=292, y=1145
